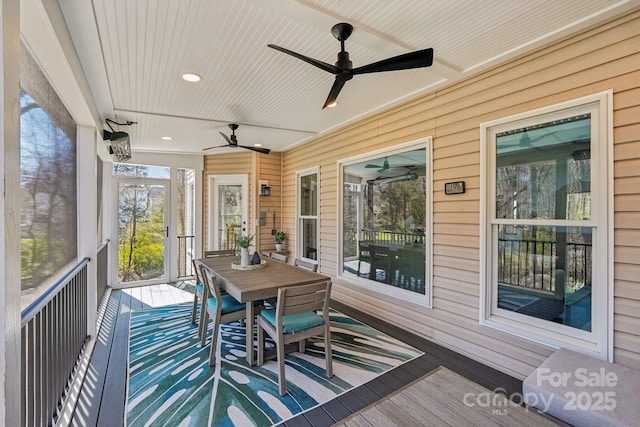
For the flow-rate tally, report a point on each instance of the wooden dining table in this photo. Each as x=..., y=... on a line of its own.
x=248, y=286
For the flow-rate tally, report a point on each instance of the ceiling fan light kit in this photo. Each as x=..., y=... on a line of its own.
x=343, y=69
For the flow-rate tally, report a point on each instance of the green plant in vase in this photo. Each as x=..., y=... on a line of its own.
x=244, y=241
x=279, y=238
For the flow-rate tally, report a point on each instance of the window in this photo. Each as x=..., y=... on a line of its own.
x=546, y=225
x=186, y=220
x=385, y=216
x=48, y=172
x=140, y=171
x=307, y=232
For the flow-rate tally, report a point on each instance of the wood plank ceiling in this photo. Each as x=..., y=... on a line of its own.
x=134, y=52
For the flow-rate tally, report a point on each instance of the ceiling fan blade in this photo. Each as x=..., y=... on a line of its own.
x=217, y=146
x=229, y=141
x=373, y=166
x=258, y=149
x=322, y=65
x=417, y=59
x=333, y=93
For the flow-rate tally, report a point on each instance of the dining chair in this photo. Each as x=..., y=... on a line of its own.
x=223, y=252
x=382, y=260
x=294, y=319
x=221, y=308
x=365, y=254
x=307, y=265
x=279, y=257
x=198, y=295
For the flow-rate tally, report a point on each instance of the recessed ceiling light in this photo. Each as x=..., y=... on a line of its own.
x=166, y=138
x=257, y=145
x=191, y=77
x=333, y=104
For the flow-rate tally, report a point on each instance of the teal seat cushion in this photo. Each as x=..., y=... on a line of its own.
x=199, y=288
x=229, y=304
x=294, y=322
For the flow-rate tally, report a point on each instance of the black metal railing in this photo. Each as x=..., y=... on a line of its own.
x=532, y=264
x=351, y=237
x=102, y=265
x=54, y=333
x=393, y=238
x=185, y=255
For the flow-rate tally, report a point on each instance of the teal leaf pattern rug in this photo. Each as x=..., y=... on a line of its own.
x=170, y=382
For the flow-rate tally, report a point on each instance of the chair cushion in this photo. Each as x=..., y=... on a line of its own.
x=199, y=288
x=229, y=304
x=294, y=322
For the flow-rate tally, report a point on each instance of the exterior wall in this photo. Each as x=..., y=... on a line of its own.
x=268, y=169
x=259, y=167
x=604, y=57
x=242, y=162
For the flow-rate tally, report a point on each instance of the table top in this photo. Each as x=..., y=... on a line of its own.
x=252, y=285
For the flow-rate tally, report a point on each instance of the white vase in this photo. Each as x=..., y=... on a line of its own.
x=278, y=247
x=244, y=257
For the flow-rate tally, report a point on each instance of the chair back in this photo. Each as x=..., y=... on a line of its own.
x=224, y=252
x=299, y=299
x=196, y=271
x=210, y=281
x=365, y=250
x=279, y=257
x=307, y=265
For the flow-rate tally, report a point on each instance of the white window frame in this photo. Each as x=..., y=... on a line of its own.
x=214, y=181
x=597, y=342
x=300, y=218
x=425, y=300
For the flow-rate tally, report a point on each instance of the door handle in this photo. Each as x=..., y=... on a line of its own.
x=167, y=230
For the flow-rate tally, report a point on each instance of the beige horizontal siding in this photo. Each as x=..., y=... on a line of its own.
x=602, y=58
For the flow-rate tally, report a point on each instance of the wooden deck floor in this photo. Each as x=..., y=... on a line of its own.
x=102, y=398
x=444, y=398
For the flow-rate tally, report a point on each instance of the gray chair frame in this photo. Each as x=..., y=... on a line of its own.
x=293, y=300
x=197, y=296
x=223, y=252
x=211, y=283
x=279, y=257
x=307, y=265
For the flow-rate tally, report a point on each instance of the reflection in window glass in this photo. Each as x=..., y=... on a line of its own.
x=186, y=221
x=230, y=215
x=140, y=171
x=545, y=272
x=384, y=220
x=309, y=243
x=307, y=239
x=544, y=173
x=48, y=241
x=308, y=195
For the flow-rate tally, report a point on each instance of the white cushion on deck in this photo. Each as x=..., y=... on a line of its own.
x=584, y=391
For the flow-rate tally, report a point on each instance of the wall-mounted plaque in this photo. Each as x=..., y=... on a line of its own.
x=454, y=187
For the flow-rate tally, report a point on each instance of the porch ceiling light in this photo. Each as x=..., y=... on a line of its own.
x=120, y=144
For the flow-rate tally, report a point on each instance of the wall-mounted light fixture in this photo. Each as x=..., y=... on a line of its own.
x=265, y=190
x=119, y=142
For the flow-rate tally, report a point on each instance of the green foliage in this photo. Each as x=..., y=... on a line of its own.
x=141, y=235
x=244, y=241
x=280, y=236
